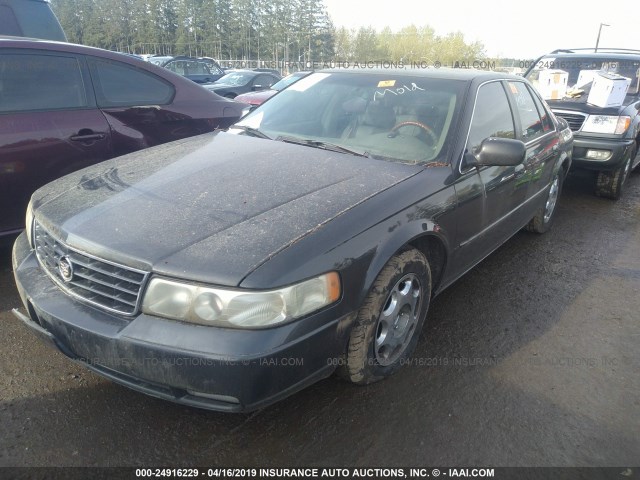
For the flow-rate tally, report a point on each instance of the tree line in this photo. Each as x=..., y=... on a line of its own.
x=275, y=30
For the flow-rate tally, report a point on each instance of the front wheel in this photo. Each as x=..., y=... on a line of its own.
x=390, y=319
x=611, y=184
x=543, y=218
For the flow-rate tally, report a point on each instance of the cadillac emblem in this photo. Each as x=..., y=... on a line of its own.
x=65, y=268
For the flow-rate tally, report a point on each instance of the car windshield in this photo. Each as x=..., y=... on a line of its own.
x=395, y=117
x=286, y=81
x=580, y=72
x=236, y=78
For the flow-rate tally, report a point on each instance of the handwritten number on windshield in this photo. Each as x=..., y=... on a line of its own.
x=396, y=91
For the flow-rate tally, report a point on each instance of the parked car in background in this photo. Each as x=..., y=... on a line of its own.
x=268, y=70
x=311, y=236
x=237, y=82
x=30, y=18
x=64, y=107
x=200, y=70
x=256, y=98
x=607, y=139
x=160, y=59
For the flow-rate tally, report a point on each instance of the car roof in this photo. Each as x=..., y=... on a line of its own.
x=18, y=43
x=612, y=53
x=466, y=74
x=38, y=44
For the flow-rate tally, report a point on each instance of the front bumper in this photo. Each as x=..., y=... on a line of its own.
x=207, y=367
x=620, y=151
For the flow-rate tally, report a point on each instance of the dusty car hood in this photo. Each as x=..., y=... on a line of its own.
x=210, y=208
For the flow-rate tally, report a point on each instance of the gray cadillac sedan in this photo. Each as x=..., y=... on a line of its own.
x=232, y=269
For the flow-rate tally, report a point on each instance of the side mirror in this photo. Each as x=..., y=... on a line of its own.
x=562, y=123
x=497, y=152
x=257, y=87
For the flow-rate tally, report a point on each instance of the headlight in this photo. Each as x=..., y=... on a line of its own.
x=606, y=124
x=28, y=224
x=239, y=308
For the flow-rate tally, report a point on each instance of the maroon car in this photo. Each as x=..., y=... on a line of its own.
x=64, y=107
x=257, y=98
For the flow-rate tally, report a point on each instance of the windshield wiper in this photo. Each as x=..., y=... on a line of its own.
x=320, y=144
x=254, y=132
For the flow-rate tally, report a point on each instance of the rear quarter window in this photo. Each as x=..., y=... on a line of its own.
x=121, y=85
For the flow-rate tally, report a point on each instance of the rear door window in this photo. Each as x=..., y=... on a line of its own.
x=31, y=82
x=547, y=124
x=263, y=81
x=8, y=22
x=530, y=121
x=121, y=85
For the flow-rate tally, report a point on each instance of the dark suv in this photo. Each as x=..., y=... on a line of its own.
x=200, y=70
x=29, y=18
x=606, y=139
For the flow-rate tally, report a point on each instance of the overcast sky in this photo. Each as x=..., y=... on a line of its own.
x=506, y=28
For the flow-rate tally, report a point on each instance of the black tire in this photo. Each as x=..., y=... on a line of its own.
x=379, y=343
x=611, y=184
x=543, y=218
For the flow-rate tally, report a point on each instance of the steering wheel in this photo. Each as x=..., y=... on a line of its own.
x=432, y=136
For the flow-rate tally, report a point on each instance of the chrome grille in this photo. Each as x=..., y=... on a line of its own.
x=574, y=119
x=113, y=287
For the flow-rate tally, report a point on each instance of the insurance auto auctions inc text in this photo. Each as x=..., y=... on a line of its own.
x=373, y=472
x=363, y=65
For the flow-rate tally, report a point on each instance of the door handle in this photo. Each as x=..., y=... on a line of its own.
x=88, y=137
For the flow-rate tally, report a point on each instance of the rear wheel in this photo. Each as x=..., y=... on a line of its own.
x=611, y=184
x=390, y=319
x=543, y=218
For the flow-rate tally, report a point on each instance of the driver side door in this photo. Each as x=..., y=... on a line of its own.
x=488, y=196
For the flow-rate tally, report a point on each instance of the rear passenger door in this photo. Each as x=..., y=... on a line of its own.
x=137, y=105
x=49, y=126
x=537, y=131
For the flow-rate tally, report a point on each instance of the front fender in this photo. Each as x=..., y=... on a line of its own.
x=358, y=247
x=412, y=233
x=564, y=157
